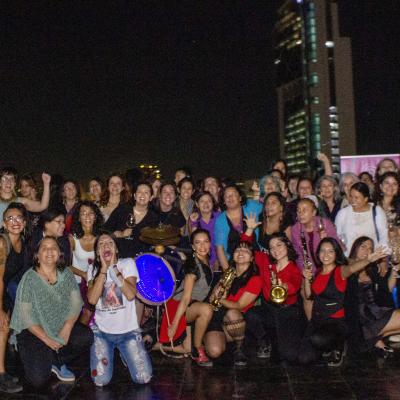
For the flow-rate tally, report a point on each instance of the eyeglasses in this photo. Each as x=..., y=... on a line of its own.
x=15, y=218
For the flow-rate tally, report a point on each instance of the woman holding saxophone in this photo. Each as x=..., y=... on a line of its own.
x=229, y=322
x=276, y=323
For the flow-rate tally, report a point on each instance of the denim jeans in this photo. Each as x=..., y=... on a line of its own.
x=132, y=350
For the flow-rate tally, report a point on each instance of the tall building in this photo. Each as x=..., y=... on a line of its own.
x=314, y=84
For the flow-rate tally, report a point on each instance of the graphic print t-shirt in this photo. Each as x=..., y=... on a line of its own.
x=114, y=312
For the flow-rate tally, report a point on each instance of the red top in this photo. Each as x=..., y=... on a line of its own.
x=321, y=281
x=291, y=274
x=253, y=286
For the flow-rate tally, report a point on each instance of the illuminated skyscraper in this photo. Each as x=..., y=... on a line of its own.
x=314, y=84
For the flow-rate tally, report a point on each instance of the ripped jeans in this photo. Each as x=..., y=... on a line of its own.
x=132, y=350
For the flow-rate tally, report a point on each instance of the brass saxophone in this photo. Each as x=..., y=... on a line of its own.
x=278, y=293
x=223, y=287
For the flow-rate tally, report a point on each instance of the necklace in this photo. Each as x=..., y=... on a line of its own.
x=50, y=280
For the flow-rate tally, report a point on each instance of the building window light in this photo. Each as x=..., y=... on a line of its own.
x=329, y=44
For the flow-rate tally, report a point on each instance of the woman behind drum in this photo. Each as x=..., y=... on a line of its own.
x=326, y=331
x=112, y=289
x=188, y=306
x=279, y=325
x=229, y=322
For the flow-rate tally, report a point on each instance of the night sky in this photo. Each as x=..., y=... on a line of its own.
x=89, y=89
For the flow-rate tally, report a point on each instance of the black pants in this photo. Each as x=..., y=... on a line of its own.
x=322, y=337
x=282, y=326
x=37, y=358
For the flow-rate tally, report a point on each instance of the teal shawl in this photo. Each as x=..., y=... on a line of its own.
x=39, y=303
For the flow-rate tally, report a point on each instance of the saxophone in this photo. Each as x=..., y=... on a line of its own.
x=223, y=287
x=278, y=293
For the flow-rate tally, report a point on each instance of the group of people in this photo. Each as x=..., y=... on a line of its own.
x=301, y=270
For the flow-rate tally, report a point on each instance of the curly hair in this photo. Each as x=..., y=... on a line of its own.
x=76, y=227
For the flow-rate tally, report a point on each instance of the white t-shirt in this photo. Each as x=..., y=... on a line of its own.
x=114, y=312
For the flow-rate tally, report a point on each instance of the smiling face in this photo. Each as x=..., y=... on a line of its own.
x=48, y=253
x=358, y=201
x=143, y=195
x=364, y=250
x=232, y=198
x=55, y=227
x=107, y=249
x=14, y=221
x=115, y=186
x=211, y=185
x=7, y=184
x=87, y=217
x=186, y=190
x=201, y=245
x=205, y=204
x=70, y=192
x=387, y=166
x=167, y=196
x=94, y=189
x=390, y=187
x=242, y=255
x=327, y=254
x=278, y=249
x=25, y=188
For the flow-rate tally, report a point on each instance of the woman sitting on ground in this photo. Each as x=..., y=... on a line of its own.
x=47, y=307
x=188, y=306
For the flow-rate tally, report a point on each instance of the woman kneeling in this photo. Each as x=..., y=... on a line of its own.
x=112, y=288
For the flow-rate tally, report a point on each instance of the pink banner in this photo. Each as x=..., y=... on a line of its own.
x=358, y=164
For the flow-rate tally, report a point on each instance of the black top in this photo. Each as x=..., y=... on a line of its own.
x=131, y=246
x=173, y=217
x=326, y=213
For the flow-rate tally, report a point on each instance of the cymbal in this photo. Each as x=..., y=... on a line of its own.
x=162, y=234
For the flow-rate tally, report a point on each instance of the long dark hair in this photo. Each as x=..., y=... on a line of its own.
x=105, y=196
x=76, y=226
x=242, y=280
x=61, y=264
x=97, y=262
x=291, y=252
x=340, y=257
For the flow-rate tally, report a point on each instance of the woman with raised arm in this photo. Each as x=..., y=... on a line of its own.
x=8, y=180
x=326, y=331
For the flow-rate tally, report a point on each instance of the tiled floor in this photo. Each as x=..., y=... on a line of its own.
x=359, y=378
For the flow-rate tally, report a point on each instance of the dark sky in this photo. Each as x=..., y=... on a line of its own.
x=88, y=89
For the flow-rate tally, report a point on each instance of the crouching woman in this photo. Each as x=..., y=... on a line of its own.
x=112, y=289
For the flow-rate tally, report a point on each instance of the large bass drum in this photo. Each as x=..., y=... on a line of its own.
x=157, y=279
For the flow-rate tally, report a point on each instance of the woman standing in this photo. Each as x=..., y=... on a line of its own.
x=95, y=190
x=44, y=318
x=229, y=322
x=326, y=331
x=204, y=217
x=86, y=223
x=231, y=223
x=387, y=197
x=361, y=218
x=71, y=196
x=113, y=196
x=13, y=263
x=112, y=289
x=328, y=190
x=186, y=204
x=8, y=179
x=347, y=180
x=188, y=306
x=130, y=218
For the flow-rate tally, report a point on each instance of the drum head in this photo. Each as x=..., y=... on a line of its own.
x=157, y=279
